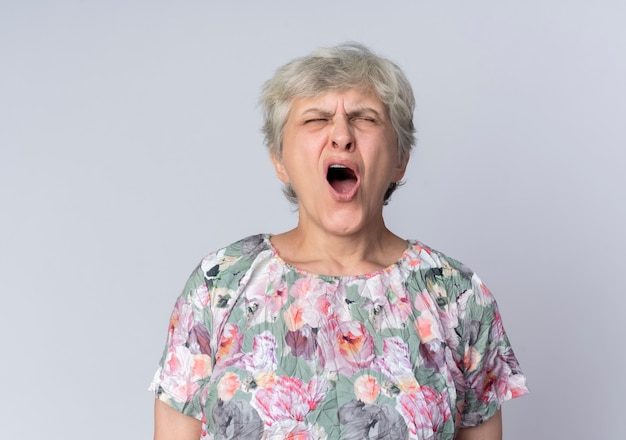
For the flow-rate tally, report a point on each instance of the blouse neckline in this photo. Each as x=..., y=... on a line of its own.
x=386, y=270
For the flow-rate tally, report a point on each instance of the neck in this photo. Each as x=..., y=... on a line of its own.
x=319, y=252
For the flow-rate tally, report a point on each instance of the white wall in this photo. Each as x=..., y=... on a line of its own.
x=130, y=147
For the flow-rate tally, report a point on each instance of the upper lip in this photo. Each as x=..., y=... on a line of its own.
x=328, y=163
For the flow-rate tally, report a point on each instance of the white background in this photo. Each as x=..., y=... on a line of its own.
x=130, y=147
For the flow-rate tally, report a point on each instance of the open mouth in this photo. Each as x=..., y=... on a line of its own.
x=341, y=178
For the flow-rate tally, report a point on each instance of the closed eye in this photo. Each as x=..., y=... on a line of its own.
x=313, y=120
x=365, y=119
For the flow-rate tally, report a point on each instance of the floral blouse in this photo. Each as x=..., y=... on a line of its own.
x=258, y=349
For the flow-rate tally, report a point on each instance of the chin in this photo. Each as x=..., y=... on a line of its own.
x=345, y=224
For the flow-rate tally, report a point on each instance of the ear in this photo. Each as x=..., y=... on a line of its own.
x=281, y=171
x=401, y=169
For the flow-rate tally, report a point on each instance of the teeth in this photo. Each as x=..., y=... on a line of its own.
x=337, y=166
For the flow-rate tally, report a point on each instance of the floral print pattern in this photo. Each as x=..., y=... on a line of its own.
x=258, y=349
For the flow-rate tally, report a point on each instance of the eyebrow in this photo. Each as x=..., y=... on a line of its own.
x=358, y=112
x=364, y=111
x=317, y=111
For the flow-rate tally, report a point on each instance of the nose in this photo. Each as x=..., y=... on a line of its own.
x=342, y=136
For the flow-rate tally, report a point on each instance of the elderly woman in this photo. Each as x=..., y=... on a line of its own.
x=338, y=328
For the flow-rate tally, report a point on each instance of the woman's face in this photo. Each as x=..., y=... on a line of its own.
x=340, y=155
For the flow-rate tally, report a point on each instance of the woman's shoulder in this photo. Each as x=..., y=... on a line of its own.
x=430, y=258
x=449, y=281
x=235, y=259
x=445, y=278
x=242, y=248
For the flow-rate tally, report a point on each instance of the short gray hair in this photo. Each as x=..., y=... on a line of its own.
x=342, y=67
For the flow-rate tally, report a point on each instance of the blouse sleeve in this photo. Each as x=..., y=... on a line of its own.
x=491, y=371
x=187, y=360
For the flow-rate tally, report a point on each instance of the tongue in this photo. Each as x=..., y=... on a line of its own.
x=343, y=186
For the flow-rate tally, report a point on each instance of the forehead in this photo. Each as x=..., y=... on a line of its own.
x=346, y=100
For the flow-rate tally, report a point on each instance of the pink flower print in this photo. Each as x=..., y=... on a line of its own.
x=181, y=322
x=304, y=287
x=264, y=299
x=517, y=387
x=494, y=380
x=346, y=346
x=394, y=363
x=312, y=311
x=449, y=318
x=388, y=304
x=263, y=356
x=400, y=307
x=366, y=388
x=288, y=399
x=490, y=385
x=472, y=359
x=408, y=385
x=227, y=386
x=414, y=262
x=424, y=302
x=201, y=298
x=426, y=325
x=425, y=412
x=482, y=294
x=311, y=304
x=339, y=308
x=293, y=317
x=201, y=368
x=316, y=390
x=180, y=373
x=293, y=430
x=229, y=348
x=230, y=342
x=375, y=298
x=262, y=379
x=275, y=277
x=263, y=352
x=497, y=328
x=422, y=249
